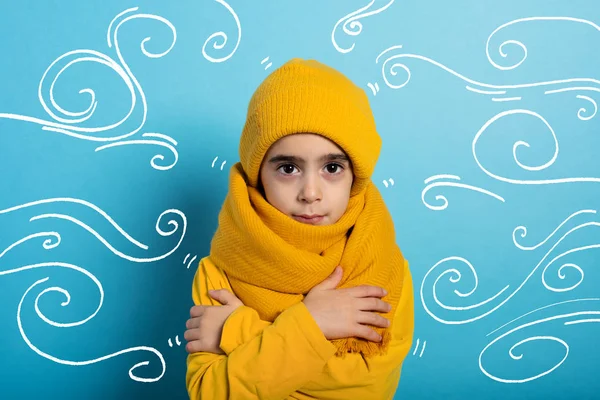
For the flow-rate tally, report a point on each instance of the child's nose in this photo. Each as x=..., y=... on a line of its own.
x=311, y=190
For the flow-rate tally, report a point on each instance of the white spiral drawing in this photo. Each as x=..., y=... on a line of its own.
x=173, y=223
x=52, y=240
x=523, y=231
x=519, y=44
x=434, y=181
x=523, y=144
x=152, y=142
x=566, y=266
x=489, y=305
x=352, y=25
x=455, y=277
x=219, y=45
x=568, y=319
x=395, y=62
x=583, y=110
x=71, y=123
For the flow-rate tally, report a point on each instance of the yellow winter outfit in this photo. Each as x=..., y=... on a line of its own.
x=274, y=349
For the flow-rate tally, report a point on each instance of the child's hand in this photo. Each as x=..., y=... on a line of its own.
x=341, y=313
x=205, y=326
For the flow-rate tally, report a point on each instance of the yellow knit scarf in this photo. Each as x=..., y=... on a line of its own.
x=272, y=260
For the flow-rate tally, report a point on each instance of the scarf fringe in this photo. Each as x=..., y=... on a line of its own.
x=365, y=347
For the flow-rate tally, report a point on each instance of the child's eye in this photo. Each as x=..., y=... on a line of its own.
x=334, y=168
x=287, y=169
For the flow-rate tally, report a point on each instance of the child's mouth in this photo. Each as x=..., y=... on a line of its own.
x=309, y=219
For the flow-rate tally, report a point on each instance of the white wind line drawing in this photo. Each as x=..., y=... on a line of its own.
x=177, y=341
x=53, y=239
x=589, y=84
x=584, y=110
x=572, y=318
x=435, y=181
x=70, y=122
x=573, y=266
x=172, y=222
x=352, y=25
x=215, y=160
x=214, y=38
x=422, y=348
x=520, y=44
x=475, y=90
x=455, y=277
x=523, y=230
x=153, y=142
x=519, y=144
x=536, y=310
x=191, y=262
x=374, y=88
x=185, y=260
x=500, y=99
x=264, y=61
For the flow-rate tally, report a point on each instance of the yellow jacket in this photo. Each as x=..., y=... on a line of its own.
x=290, y=358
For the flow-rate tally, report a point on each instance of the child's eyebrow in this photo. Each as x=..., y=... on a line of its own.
x=295, y=159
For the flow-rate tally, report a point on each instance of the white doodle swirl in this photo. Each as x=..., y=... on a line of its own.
x=584, y=110
x=49, y=244
x=521, y=143
x=449, y=184
x=571, y=266
x=223, y=36
x=85, y=362
x=523, y=230
x=70, y=122
x=153, y=142
x=393, y=62
x=53, y=239
x=520, y=44
x=456, y=276
x=572, y=318
x=172, y=222
x=352, y=26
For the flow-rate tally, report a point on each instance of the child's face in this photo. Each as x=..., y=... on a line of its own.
x=306, y=175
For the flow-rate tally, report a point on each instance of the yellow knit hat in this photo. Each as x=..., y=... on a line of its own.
x=306, y=96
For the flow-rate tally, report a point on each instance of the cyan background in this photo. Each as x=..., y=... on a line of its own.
x=98, y=246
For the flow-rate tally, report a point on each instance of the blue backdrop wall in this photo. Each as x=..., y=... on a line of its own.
x=119, y=121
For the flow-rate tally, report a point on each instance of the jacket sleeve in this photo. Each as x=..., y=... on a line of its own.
x=263, y=361
x=376, y=378
x=387, y=369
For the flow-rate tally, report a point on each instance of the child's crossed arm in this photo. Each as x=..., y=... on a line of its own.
x=242, y=355
x=259, y=358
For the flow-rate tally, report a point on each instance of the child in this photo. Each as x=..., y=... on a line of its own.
x=275, y=318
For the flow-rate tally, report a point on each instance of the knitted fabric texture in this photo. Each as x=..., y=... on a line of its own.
x=311, y=97
x=272, y=260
